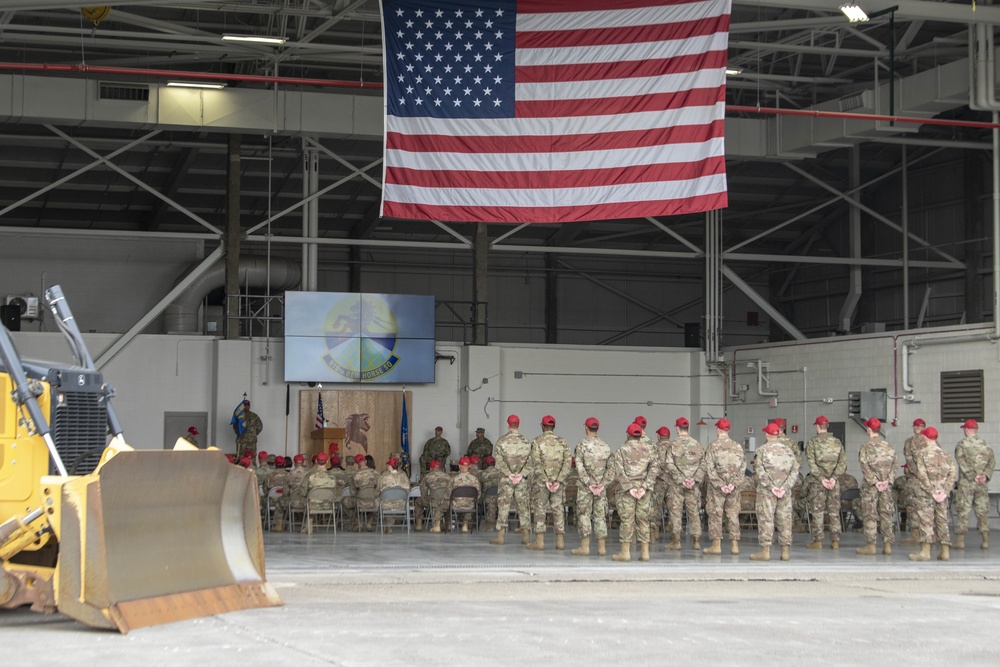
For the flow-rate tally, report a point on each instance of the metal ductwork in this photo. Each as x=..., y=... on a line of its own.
x=181, y=317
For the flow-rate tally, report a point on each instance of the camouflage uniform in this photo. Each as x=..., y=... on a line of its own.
x=661, y=489
x=436, y=482
x=320, y=478
x=915, y=496
x=592, y=455
x=634, y=466
x=393, y=479
x=878, y=510
x=294, y=496
x=974, y=458
x=776, y=467
x=827, y=459
x=491, y=477
x=460, y=480
x=193, y=440
x=935, y=471
x=797, y=487
x=512, y=452
x=656, y=494
x=724, y=464
x=549, y=463
x=481, y=447
x=247, y=443
x=362, y=479
x=434, y=449
x=682, y=461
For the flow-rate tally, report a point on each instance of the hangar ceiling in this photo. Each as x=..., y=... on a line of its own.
x=791, y=181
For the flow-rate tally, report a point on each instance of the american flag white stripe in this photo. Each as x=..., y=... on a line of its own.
x=583, y=82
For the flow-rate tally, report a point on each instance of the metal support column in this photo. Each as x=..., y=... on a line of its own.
x=551, y=300
x=480, y=279
x=310, y=217
x=905, y=220
x=854, y=213
x=232, y=243
x=713, y=282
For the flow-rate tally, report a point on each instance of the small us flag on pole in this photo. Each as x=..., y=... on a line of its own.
x=320, y=420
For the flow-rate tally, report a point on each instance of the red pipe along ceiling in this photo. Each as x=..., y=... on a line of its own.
x=82, y=68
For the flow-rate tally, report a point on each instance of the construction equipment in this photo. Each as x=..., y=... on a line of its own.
x=125, y=538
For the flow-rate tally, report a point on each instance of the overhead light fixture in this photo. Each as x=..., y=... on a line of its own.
x=734, y=71
x=854, y=13
x=195, y=84
x=257, y=39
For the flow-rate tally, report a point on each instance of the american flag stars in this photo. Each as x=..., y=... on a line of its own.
x=451, y=61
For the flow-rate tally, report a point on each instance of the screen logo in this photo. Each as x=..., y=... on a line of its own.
x=361, y=336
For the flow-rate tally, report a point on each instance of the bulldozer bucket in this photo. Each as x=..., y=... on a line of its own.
x=152, y=537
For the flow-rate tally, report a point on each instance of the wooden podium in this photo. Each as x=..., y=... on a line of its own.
x=322, y=437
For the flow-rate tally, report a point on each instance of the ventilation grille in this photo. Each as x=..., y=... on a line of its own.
x=131, y=92
x=79, y=428
x=961, y=396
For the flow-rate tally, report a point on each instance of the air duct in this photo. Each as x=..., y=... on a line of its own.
x=181, y=317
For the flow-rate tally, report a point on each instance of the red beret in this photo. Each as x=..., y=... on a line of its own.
x=682, y=422
x=490, y=461
x=663, y=432
x=592, y=423
x=261, y=455
x=930, y=433
x=465, y=461
x=634, y=430
x=548, y=420
x=772, y=429
x=970, y=423
x=434, y=464
x=641, y=421
x=360, y=458
x=919, y=422
x=873, y=424
x=299, y=458
x=321, y=457
x=723, y=424
x=513, y=420
x=821, y=421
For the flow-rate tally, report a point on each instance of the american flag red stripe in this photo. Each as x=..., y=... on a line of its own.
x=602, y=113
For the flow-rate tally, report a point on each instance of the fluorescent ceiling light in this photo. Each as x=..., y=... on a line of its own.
x=734, y=71
x=195, y=84
x=854, y=13
x=258, y=39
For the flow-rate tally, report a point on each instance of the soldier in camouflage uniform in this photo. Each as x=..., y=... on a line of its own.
x=512, y=453
x=935, y=470
x=192, y=436
x=550, y=466
x=797, y=451
x=435, y=492
x=878, y=510
x=276, y=480
x=465, y=478
x=775, y=472
x=662, y=488
x=393, y=478
x=294, y=495
x=827, y=460
x=319, y=478
x=246, y=444
x=481, y=446
x=635, y=467
x=656, y=498
x=363, y=478
x=436, y=448
x=592, y=455
x=491, y=477
x=725, y=465
x=976, y=461
x=915, y=497
x=682, y=467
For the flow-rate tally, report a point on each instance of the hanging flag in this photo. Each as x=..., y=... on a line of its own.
x=404, y=434
x=554, y=110
x=320, y=421
x=239, y=422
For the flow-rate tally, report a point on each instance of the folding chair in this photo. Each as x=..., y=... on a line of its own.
x=848, y=519
x=343, y=515
x=390, y=494
x=748, y=509
x=317, y=496
x=489, y=492
x=272, y=505
x=464, y=492
x=367, y=503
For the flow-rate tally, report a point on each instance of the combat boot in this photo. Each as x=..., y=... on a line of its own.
x=697, y=542
x=944, y=555
x=539, y=542
x=419, y=525
x=815, y=545
x=960, y=541
x=625, y=555
x=560, y=541
x=986, y=540
x=913, y=538
x=734, y=547
x=867, y=550
x=784, y=553
x=465, y=527
x=886, y=549
x=763, y=554
x=834, y=544
x=644, y=551
x=499, y=538
x=525, y=535
x=601, y=547
x=435, y=526
x=675, y=543
x=715, y=548
x=923, y=554
x=584, y=548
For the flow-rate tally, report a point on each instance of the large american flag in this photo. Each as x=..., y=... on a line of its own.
x=553, y=110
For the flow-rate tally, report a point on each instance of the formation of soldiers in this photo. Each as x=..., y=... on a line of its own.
x=638, y=480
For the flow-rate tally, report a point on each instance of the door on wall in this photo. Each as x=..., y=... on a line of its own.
x=176, y=425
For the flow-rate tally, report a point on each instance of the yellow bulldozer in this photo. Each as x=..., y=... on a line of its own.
x=125, y=538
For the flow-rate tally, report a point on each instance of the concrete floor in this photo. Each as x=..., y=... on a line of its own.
x=421, y=599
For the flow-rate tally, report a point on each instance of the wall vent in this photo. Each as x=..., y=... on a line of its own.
x=130, y=92
x=961, y=396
